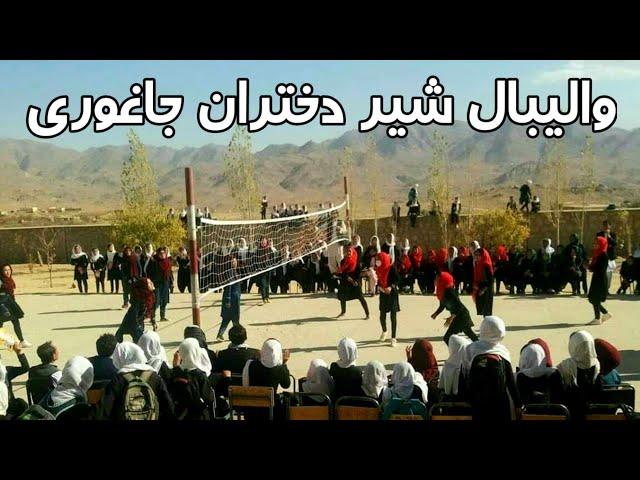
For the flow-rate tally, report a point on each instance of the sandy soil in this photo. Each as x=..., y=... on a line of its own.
x=306, y=325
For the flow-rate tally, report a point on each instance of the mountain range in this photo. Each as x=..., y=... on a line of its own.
x=41, y=174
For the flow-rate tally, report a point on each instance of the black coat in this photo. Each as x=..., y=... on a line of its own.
x=484, y=302
x=599, y=288
x=390, y=302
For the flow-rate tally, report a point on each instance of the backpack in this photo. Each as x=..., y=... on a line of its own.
x=487, y=379
x=140, y=401
x=188, y=400
x=39, y=411
x=399, y=406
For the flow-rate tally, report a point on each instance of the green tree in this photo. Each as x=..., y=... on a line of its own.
x=240, y=173
x=500, y=226
x=143, y=218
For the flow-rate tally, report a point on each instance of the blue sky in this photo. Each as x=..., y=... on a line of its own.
x=23, y=83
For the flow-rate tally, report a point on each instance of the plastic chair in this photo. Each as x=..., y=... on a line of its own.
x=351, y=412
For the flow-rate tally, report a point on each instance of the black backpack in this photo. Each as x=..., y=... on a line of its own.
x=487, y=379
x=186, y=394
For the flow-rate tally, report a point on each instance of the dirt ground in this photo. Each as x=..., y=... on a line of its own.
x=306, y=324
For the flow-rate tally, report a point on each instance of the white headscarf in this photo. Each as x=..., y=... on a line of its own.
x=193, y=356
x=347, y=353
x=450, y=375
x=533, y=361
x=406, y=246
x=377, y=243
x=452, y=258
x=77, y=378
x=374, y=379
x=96, y=256
x=318, y=378
x=404, y=378
x=129, y=357
x=548, y=249
x=150, y=344
x=4, y=391
x=583, y=356
x=270, y=357
x=75, y=256
x=475, y=245
x=492, y=332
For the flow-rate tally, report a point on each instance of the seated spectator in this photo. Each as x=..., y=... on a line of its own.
x=491, y=383
x=318, y=380
x=346, y=376
x=235, y=357
x=151, y=399
x=44, y=377
x=423, y=361
x=194, y=331
x=537, y=381
x=408, y=393
x=103, y=368
x=451, y=383
x=374, y=380
x=156, y=355
x=68, y=401
x=609, y=358
x=189, y=385
x=269, y=371
x=580, y=373
x=627, y=276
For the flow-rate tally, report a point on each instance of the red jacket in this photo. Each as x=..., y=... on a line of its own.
x=140, y=292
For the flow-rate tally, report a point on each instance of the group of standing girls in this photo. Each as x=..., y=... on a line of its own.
x=10, y=311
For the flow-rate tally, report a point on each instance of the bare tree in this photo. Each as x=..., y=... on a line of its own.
x=346, y=168
x=373, y=169
x=439, y=182
x=553, y=165
x=240, y=172
x=46, y=239
x=587, y=183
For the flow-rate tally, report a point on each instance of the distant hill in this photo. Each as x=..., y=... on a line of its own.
x=40, y=174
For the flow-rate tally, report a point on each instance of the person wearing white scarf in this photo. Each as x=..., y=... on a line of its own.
x=375, y=242
x=533, y=361
x=406, y=246
x=77, y=252
x=347, y=353
x=404, y=379
x=475, y=245
x=270, y=356
x=492, y=332
x=318, y=378
x=374, y=379
x=193, y=356
x=453, y=255
x=77, y=378
x=129, y=357
x=547, y=249
x=450, y=376
x=4, y=391
x=153, y=350
x=390, y=245
x=583, y=356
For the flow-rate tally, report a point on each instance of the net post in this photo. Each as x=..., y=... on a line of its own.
x=193, y=245
x=347, y=210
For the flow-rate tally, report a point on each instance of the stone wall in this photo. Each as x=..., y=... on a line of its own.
x=16, y=242
x=428, y=231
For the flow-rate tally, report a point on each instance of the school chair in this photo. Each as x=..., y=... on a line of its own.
x=615, y=394
x=251, y=397
x=608, y=412
x=370, y=410
x=96, y=391
x=545, y=412
x=308, y=412
x=451, y=411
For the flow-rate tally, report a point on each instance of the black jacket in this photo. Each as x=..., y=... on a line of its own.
x=103, y=368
